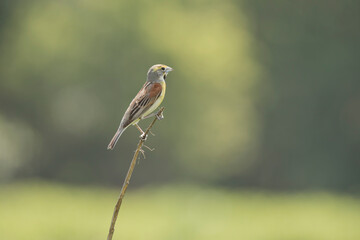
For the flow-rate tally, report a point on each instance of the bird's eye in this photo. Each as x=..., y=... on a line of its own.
x=163, y=68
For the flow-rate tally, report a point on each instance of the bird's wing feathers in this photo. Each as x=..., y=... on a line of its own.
x=146, y=97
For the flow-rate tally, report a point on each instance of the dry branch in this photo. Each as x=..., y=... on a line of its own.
x=129, y=173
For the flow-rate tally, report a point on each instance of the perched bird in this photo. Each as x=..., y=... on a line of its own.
x=145, y=102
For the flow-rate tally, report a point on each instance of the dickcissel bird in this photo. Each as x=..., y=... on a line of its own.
x=145, y=102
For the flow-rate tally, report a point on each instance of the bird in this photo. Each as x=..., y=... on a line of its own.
x=145, y=102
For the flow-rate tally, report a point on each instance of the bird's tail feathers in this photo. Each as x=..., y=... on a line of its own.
x=115, y=138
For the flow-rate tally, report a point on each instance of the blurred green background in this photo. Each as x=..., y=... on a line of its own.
x=261, y=133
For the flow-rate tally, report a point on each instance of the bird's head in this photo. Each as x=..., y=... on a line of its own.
x=158, y=71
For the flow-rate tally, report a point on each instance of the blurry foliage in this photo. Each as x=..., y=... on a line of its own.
x=18, y=143
x=310, y=111
x=263, y=93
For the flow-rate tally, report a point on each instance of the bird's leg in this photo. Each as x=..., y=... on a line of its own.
x=143, y=136
x=139, y=128
x=160, y=116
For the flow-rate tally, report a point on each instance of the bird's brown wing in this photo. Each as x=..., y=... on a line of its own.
x=146, y=97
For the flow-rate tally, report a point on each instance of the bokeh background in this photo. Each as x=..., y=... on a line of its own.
x=261, y=133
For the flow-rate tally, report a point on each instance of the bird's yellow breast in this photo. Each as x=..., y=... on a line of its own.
x=158, y=101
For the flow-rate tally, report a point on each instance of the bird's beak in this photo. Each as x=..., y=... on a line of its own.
x=168, y=69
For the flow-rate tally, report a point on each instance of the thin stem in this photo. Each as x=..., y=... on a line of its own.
x=128, y=176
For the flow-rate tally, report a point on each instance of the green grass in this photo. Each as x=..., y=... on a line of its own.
x=44, y=211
